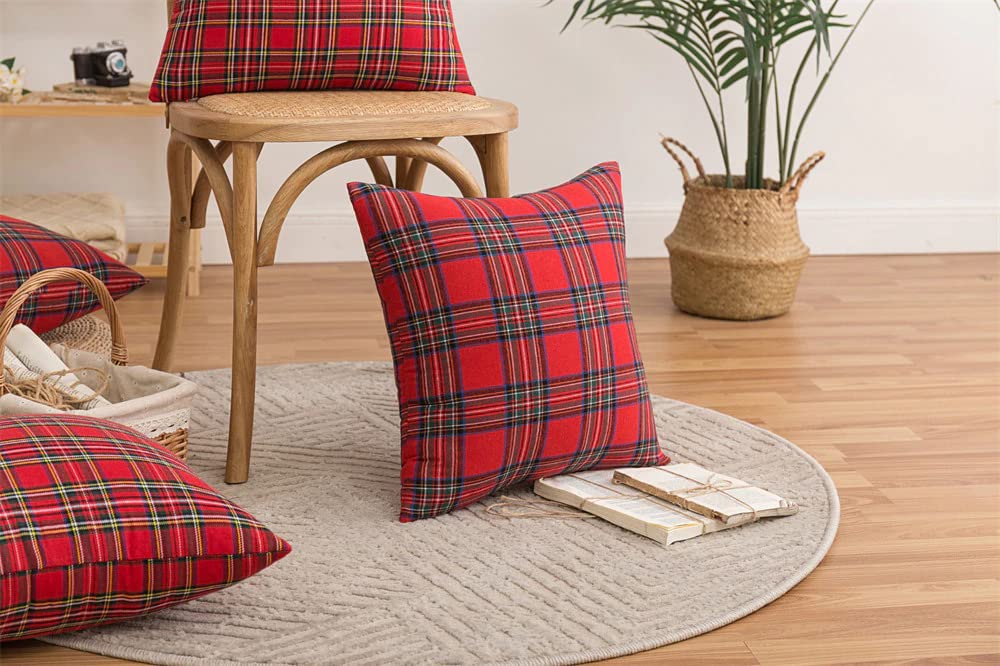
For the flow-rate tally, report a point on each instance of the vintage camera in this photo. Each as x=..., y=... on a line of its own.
x=102, y=65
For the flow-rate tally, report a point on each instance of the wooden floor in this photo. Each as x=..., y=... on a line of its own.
x=886, y=371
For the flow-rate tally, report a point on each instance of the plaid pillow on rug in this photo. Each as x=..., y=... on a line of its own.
x=26, y=249
x=99, y=524
x=232, y=46
x=512, y=337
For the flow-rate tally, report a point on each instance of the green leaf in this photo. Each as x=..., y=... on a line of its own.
x=735, y=78
x=9, y=62
x=724, y=43
x=732, y=64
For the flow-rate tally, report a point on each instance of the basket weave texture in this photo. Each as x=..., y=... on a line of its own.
x=342, y=103
x=89, y=333
x=155, y=403
x=736, y=253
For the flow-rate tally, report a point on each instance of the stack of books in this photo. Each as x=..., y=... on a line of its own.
x=667, y=504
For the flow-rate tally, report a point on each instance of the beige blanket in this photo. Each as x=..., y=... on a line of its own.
x=93, y=218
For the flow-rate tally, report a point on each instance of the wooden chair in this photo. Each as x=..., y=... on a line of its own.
x=370, y=126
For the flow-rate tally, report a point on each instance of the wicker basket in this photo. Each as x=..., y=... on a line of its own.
x=736, y=253
x=157, y=404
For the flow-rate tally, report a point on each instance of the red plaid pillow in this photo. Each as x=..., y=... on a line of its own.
x=512, y=337
x=26, y=249
x=99, y=524
x=232, y=46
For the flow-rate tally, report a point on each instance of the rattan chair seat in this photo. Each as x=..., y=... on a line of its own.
x=342, y=104
x=341, y=115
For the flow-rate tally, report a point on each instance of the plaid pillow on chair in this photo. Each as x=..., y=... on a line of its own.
x=232, y=46
x=99, y=524
x=26, y=249
x=512, y=337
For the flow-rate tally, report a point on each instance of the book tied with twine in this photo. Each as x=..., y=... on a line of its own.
x=706, y=493
x=655, y=517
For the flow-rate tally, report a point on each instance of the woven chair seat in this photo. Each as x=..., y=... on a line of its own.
x=342, y=104
x=341, y=115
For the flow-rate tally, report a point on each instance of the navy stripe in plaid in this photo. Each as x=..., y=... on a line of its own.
x=99, y=524
x=26, y=249
x=233, y=46
x=512, y=337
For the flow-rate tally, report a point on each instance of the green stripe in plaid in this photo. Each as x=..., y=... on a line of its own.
x=226, y=46
x=26, y=249
x=99, y=524
x=512, y=337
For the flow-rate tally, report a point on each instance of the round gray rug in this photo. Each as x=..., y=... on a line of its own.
x=468, y=587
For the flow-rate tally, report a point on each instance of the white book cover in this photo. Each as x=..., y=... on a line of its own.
x=706, y=493
x=596, y=493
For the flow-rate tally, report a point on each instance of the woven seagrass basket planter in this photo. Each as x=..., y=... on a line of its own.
x=736, y=253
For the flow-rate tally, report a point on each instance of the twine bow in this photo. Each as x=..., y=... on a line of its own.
x=709, y=487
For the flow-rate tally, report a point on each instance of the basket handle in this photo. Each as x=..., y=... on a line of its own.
x=119, y=353
x=794, y=184
x=666, y=142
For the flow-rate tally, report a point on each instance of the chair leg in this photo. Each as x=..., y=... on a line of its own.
x=493, y=156
x=413, y=179
x=244, y=311
x=402, y=168
x=194, y=277
x=179, y=176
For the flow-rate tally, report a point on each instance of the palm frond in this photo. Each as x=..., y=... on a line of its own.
x=727, y=42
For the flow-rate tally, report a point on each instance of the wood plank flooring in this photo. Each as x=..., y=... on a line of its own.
x=887, y=371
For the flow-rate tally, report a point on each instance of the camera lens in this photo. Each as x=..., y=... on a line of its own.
x=116, y=63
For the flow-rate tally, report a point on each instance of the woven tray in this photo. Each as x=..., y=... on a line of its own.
x=91, y=334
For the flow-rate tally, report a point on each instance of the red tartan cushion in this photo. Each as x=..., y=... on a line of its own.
x=231, y=46
x=512, y=337
x=99, y=524
x=26, y=249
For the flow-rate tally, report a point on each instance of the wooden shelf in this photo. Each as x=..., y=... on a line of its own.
x=150, y=260
x=72, y=99
x=69, y=109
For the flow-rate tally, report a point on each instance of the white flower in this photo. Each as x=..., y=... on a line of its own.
x=4, y=74
x=16, y=83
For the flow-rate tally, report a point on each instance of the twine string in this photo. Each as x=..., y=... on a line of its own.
x=708, y=487
x=516, y=507
x=58, y=396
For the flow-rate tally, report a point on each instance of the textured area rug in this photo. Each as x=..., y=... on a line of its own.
x=468, y=587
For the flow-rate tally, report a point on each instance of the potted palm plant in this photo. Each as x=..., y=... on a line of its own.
x=736, y=252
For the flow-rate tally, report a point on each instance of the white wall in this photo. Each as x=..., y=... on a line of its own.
x=910, y=123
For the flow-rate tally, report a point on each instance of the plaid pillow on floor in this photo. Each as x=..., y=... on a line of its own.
x=26, y=249
x=99, y=524
x=512, y=337
x=231, y=46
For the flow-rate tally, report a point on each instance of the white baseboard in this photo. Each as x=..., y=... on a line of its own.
x=328, y=236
